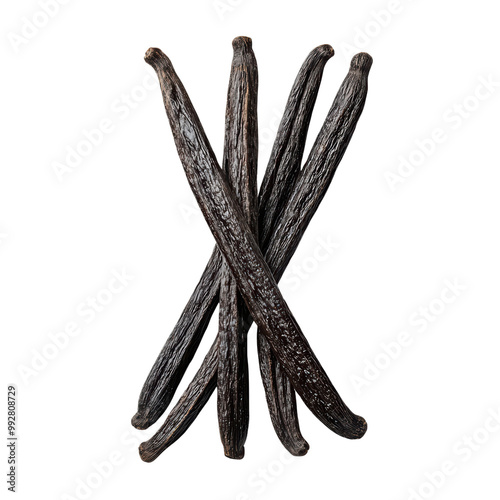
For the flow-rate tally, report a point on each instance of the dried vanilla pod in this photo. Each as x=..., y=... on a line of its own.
x=185, y=410
x=180, y=347
x=242, y=253
x=240, y=165
x=277, y=185
x=286, y=156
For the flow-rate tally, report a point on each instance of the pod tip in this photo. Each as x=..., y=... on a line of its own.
x=301, y=449
x=362, y=427
x=326, y=49
x=152, y=53
x=140, y=420
x=362, y=62
x=241, y=42
x=156, y=57
x=145, y=455
x=234, y=453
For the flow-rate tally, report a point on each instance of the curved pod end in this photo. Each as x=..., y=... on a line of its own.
x=299, y=450
x=141, y=421
x=156, y=57
x=235, y=454
x=362, y=62
x=325, y=49
x=360, y=428
x=144, y=454
x=241, y=42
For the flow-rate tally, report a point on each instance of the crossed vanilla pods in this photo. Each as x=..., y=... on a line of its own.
x=256, y=237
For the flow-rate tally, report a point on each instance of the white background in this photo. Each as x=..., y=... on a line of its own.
x=127, y=205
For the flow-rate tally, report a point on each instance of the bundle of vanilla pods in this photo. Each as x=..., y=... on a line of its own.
x=256, y=234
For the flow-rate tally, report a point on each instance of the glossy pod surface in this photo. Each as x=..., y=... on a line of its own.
x=241, y=251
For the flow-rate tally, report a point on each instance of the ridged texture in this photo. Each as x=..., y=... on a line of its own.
x=180, y=347
x=309, y=190
x=288, y=148
x=240, y=166
x=277, y=185
x=234, y=238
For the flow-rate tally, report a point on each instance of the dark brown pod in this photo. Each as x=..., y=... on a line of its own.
x=180, y=347
x=185, y=410
x=278, y=184
x=285, y=161
x=240, y=165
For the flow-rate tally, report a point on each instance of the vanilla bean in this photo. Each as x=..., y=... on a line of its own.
x=242, y=253
x=286, y=156
x=275, y=190
x=240, y=165
x=281, y=401
x=185, y=410
x=180, y=347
